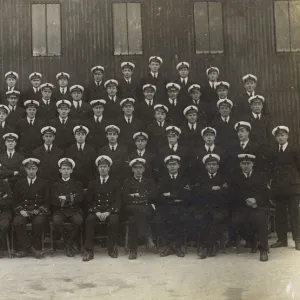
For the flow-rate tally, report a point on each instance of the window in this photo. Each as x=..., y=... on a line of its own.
x=287, y=26
x=208, y=22
x=46, y=31
x=127, y=28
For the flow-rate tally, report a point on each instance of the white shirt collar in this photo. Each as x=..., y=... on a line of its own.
x=46, y=101
x=244, y=143
x=141, y=152
x=36, y=89
x=126, y=118
x=65, y=180
x=98, y=82
x=112, y=98
x=28, y=120
x=12, y=88
x=211, y=147
x=149, y=101
x=138, y=179
x=283, y=146
x=129, y=79
x=104, y=179
x=251, y=94
x=194, y=125
x=184, y=79
x=228, y=118
x=76, y=103
x=46, y=147
x=10, y=152
x=115, y=146
x=162, y=123
x=212, y=83
x=3, y=124
x=212, y=175
x=100, y=118
x=173, y=175
x=247, y=174
x=154, y=74
x=173, y=101
x=12, y=107
x=174, y=146
x=255, y=115
x=63, y=89
x=82, y=146
x=31, y=180
x=65, y=120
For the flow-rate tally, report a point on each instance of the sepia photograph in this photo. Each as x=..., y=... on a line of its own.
x=150, y=149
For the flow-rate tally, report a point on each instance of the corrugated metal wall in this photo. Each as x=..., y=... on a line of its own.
x=168, y=31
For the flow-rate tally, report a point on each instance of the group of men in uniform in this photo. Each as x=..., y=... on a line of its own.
x=172, y=159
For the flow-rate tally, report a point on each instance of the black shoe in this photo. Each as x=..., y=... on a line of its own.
x=202, y=253
x=113, y=253
x=179, y=252
x=264, y=255
x=168, y=250
x=212, y=251
x=230, y=244
x=279, y=244
x=87, y=255
x=70, y=251
x=36, y=253
x=132, y=254
x=21, y=254
x=297, y=244
x=248, y=244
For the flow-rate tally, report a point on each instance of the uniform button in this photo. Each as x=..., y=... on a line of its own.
x=99, y=200
x=25, y=200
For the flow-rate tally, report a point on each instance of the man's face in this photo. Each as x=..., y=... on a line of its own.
x=31, y=171
x=160, y=115
x=128, y=109
x=11, y=81
x=98, y=110
x=63, y=111
x=12, y=100
x=140, y=143
x=243, y=134
x=222, y=92
x=111, y=90
x=63, y=82
x=65, y=171
x=127, y=72
x=250, y=86
x=212, y=167
x=48, y=138
x=112, y=137
x=98, y=75
x=246, y=166
x=80, y=137
x=196, y=95
x=76, y=95
x=138, y=170
x=3, y=116
x=183, y=72
x=154, y=66
x=224, y=110
x=192, y=117
x=103, y=169
x=172, y=138
x=213, y=76
x=172, y=93
x=31, y=111
x=173, y=167
x=36, y=82
x=257, y=107
x=282, y=137
x=209, y=138
x=149, y=94
x=46, y=93
x=11, y=144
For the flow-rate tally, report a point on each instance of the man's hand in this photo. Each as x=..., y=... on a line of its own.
x=105, y=215
x=167, y=194
x=135, y=195
x=36, y=211
x=250, y=201
x=99, y=215
x=16, y=173
x=62, y=198
x=24, y=213
x=177, y=200
x=216, y=188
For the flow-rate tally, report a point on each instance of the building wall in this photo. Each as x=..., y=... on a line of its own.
x=168, y=30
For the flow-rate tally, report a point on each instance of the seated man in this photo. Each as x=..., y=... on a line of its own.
x=209, y=206
x=138, y=194
x=31, y=204
x=104, y=201
x=250, y=201
x=172, y=207
x=66, y=197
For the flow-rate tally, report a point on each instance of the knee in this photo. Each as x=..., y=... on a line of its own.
x=39, y=220
x=4, y=224
x=58, y=220
x=90, y=219
x=113, y=219
x=78, y=220
x=19, y=221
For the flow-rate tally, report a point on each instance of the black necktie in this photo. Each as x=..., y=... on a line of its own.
x=31, y=122
x=80, y=148
x=48, y=149
x=10, y=155
x=257, y=117
x=98, y=120
x=31, y=182
x=140, y=154
x=242, y=146
x=209, y=150
x=193, y=127
x=113, y=148
x=63, y=121
x=78, y=106
x=225, y=119
x=160, y=124
x=128, y=121
x=211, y=176
x=102, y=180
x=280, y=148
x=173, y=177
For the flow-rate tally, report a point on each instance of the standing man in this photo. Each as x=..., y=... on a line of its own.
x=62, y=91
x=96, y=89
x=11, y=79
x=80, y=110
x=183, y=69
x=127, y=87
x=47, y=109
x=34, y=91
x=16, y=111
x=209, y=92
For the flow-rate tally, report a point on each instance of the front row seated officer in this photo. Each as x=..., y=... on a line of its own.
x=209, y=205
x=104, y=201
x=31, y=204
x=66, y=197
x=138, y=196
x=250, y=195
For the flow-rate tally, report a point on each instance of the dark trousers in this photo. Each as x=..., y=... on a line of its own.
x=92, y=220
x=69, y=234
x=4, y=227
x=38, y=225
x=210, y=223
x=285, y=205
x=139, y=218
x=249, y=221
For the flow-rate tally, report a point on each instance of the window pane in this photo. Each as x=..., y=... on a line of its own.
x=215, y=27
x=120, y=28
x=295, y=25
x=53, y=29
x=38, y=29
x=201, y=27
x=134, y=28
x=282, y=26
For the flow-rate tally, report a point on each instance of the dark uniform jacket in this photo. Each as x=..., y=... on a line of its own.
x=85, y=169
x=146, y=188
x=93, y=92
x=3, y=95
x=157, y=136
x=48, y=168
x=175, y=113
x=203, y=110
x=80, y=114
x=285, y=171
x=112, y=108
x=57, y=95
x=183, y=94
x=145, y=112
x=29, y=135
x=209, y=96
x=47, y=112
x=5, y=200
x=189, y=137
x=16, y=115
x=127, y=90
x=30, y=94
x=34, y=197
x=104, y=197
x=242, y=188
x=3, y=130
x=64, y=136
x=150, y=162
x=74, y=196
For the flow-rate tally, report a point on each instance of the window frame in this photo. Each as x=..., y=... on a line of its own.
x=209, y=52
x=45, y=3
